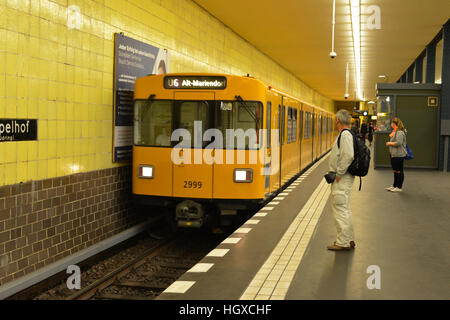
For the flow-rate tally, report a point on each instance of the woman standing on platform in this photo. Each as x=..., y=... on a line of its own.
x=397, y=149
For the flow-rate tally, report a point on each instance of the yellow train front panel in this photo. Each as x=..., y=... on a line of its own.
x=158, y=182
x=226, y=186
x=193, y=180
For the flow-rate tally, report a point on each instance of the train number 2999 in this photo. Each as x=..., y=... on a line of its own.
x=193, y=184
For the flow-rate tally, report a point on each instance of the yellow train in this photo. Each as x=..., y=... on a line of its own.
x=211, y=145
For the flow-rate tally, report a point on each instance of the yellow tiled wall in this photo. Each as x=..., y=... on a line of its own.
x=64, y=76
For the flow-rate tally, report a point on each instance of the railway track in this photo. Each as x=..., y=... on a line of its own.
x=149, y=274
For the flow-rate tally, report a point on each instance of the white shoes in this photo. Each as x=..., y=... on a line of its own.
x=393, y=189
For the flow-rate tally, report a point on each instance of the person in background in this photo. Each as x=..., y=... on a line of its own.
x=397, y=149
x=370, y=134
x=340, y=159
x=355, y=129
x=363, y=131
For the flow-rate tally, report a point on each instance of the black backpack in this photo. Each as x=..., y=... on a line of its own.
x=361, y=162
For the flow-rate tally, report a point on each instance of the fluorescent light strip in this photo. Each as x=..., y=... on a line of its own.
x=355, y=10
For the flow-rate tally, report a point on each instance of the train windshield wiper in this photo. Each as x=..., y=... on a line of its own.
x=244, y=104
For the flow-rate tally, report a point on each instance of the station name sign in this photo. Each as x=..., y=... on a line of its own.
x=18, y=130
x=193, y=82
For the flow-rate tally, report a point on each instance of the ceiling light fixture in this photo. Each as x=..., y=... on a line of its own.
x=333, y=53
x=347, y=79
x=355, y=10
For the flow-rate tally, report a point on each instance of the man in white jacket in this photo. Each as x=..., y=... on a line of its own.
x=340, y=159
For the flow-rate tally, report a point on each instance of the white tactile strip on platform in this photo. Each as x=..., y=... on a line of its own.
x=260, y=214
x=254, y=292
x=273, y=279
x=218, y=253
x=231, y=240
x=179, y=287
x=243, y=230
x=201, y=267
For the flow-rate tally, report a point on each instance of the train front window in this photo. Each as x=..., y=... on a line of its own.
x=245, y=115
x=153, y=123
x=188, y=114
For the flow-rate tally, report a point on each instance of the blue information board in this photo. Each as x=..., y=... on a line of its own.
x=133, y=59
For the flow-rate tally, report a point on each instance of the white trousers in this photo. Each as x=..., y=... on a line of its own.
x=340, y=202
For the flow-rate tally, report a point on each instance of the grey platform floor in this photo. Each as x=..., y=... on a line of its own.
x=407, y=235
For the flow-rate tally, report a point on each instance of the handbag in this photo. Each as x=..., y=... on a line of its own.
x=409, y=155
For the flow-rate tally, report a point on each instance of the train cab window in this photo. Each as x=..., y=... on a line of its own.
x=152, y=123
x=246, y=115
x=188, y=112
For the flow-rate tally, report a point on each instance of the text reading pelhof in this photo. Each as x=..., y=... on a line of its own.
x=18, y=129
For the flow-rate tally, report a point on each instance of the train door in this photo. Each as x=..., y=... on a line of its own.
x=194, y=177
x=270, y=179
x=276, y=125
x=307, y=141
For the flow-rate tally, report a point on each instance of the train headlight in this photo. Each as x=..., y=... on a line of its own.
x=243, y=175
x=146, y=172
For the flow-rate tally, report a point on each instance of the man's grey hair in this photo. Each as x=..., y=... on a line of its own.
x=344, y=117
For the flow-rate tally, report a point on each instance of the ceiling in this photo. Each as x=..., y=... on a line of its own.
x=297, y=34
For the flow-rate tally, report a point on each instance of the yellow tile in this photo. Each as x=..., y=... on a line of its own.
x=2, y=174
x=51, y=168
x=11, y=86
x=10, y=152
x=60, y=110
x=60, y=148
x=22, y=172
x=61, y=129
x=34, y=26
x=32, y=170
x=52, y=129
x=42, y=169
x=42, y=152
x=42, y=109
x=32, y=150
x=51, y=110
x=22, y=88
x=69, y=148
x=11, y=108
x=61, y=167
x=11, y=63
x=10, y=173
x=22, y=151
x=2, y=91
x=32, y=109
x=84, y=147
